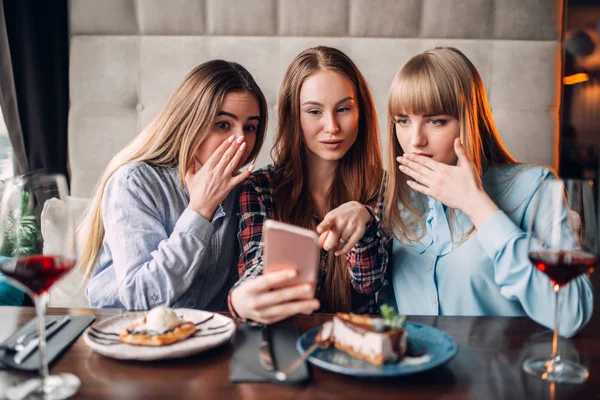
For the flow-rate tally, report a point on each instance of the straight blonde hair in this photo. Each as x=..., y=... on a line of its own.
x=173, y=137
x=358, y=175
x=442, y=81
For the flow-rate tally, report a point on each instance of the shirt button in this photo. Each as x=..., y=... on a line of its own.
x=430, y=266
x=154, y=297
x=433, y=300
x=191, y=304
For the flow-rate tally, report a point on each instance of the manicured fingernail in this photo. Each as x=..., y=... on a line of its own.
x=402, y=168
x=240, y=139
x=291, y=273
x=231, y=139
x=242, y=146
x=251, y=167
x=307, y=288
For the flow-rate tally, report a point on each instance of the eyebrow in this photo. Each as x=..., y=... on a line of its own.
x=316, y=103
x=225, y=113
x=426, y=115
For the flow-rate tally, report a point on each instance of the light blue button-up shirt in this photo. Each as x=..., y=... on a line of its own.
x=489, y=273
x=156, y=251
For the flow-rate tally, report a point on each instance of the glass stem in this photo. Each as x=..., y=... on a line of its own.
x=555, y=356
x=41, y=301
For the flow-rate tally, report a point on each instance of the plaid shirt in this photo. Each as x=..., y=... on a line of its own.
x=367, y=261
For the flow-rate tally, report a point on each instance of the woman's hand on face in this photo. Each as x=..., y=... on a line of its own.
x=455, y=186
x=210, y=185
x=343, y=227
x=257, y=300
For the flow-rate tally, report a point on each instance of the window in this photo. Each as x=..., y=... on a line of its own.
x=6, y=153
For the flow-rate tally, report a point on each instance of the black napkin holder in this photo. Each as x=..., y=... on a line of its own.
x=245, y=364
x=56, y=345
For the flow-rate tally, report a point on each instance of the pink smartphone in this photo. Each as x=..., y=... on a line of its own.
x=289, y=245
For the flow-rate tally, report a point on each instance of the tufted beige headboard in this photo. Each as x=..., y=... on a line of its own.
x=128, y=55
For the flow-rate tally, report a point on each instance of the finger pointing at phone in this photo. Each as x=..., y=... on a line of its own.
x=210, y=185
x=343, y=227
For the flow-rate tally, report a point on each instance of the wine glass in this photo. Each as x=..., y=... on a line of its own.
x=34, y=265
x=563, y=244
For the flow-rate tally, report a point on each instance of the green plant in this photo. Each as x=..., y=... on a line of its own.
x=392, y=320
x=21, y=232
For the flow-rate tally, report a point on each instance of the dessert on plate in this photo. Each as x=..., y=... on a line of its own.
x=375, y=340
x=159, y=328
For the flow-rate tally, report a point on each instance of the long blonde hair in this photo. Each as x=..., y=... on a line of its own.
x=442, y=81
x=173, y=137
x=359, y=172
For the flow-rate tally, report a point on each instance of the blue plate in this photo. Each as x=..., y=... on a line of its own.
x=436, y=346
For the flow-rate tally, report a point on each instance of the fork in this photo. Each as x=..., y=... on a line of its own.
x=22, y=340
x=265, y=351
x=283, y=375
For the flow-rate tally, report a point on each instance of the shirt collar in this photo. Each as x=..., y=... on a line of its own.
x=219, y=213
x=437, y=230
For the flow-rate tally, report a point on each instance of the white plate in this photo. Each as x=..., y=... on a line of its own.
x=218, y=330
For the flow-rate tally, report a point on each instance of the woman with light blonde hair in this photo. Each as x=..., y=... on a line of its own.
x=327, y=176
x=458, y=205
x=162, y=224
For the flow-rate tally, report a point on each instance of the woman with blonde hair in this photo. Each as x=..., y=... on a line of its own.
x=327, y=176
x=162, y=224
x=459, y=206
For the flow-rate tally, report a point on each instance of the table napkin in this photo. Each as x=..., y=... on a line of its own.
x=56, y=345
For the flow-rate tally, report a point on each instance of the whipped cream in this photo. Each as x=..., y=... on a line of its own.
x=326, y=331
x=161, y=319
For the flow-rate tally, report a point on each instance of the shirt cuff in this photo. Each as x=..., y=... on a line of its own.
x=236, y=318
x=195, y=224
x=234, y=315
x=496, y=232
x=370, y=229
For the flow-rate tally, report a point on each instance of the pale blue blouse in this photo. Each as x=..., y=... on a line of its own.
x=489, y=273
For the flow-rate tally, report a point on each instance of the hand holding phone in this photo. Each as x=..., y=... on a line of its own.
x=287, y=285
x=258, y=299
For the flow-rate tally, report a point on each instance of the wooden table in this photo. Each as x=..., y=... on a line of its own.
x=488, y=366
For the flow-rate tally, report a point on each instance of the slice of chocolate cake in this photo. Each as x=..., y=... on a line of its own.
x=366, y=338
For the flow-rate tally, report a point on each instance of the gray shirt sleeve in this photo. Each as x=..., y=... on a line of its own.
x=151, y=267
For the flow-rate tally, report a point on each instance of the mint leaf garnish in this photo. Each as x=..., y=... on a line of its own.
x=392, y=320
x=387, y=311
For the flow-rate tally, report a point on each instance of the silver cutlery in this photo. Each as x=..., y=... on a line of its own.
x=32, y=345
x=22, y=340
x=283, y=375
x=265, y=351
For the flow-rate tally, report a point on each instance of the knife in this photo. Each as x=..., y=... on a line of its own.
x=31, y=346
x=265, y=351
x=18, y=344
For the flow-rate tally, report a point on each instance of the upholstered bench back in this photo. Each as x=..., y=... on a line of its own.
x=127, y=56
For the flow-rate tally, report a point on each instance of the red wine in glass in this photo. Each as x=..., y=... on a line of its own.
x=562, y=266
x=37, y=272
x=24, y=199
x=564, y=245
